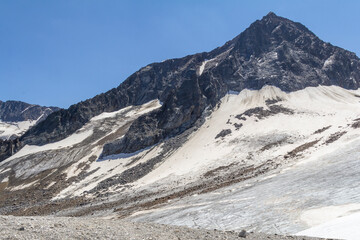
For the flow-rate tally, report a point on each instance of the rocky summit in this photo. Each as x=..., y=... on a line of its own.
x=192, y=140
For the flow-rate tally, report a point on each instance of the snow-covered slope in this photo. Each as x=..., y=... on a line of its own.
x=255, y=140
x=105, y=125
x=305, y=126
x=10, y=130
x=261, y=160
x=314, y=140
x=280, y=201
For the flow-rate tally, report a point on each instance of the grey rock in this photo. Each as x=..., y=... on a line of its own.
x=9, y=147
x=242, y=234
x=223, y=133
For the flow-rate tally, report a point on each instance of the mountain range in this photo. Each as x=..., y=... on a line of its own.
x=272, y=51
x=177, y=133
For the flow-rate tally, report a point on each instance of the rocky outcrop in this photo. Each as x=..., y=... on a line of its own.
x=16, y=111
x=272, y=51
x=9, y=147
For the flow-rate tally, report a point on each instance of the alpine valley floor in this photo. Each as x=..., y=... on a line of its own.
x=95, y=228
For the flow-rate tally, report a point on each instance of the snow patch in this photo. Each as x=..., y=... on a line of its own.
x=322, y=215
x=67, y=142
x=9, y=129
x=340, y=228
x=23, y=186
x=50, y=185
x=146, y=107
x=5, y=180
x=124, y=155
x=106, y=115
x=202, y=67
x=329, y=61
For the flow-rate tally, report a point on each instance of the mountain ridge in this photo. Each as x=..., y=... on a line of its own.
x=15, y=111
x=271, y=51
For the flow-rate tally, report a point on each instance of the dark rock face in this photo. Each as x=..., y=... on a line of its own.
x=277, y=51
x=8, y=148
x=179, y=112
x=15, y=111
x=156, y=81
x=272, y=51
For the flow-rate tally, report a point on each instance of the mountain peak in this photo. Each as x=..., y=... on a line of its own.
x=271, y=21
x=273, y=18
x=270, y=15
x=271, y=32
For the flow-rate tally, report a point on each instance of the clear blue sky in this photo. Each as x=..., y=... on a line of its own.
x=61, y=52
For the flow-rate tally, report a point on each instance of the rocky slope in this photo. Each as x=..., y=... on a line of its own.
x=273, y=51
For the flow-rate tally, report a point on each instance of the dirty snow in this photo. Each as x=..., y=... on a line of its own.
x=23, y=186
x=73, y=139
x=5, y=179
x=275, y=204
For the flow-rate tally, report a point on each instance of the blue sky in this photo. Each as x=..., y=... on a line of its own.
x=61, y=52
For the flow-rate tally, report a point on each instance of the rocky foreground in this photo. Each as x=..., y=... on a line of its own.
x=94, y=228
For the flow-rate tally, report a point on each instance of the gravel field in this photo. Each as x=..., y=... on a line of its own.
x=95, y=228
